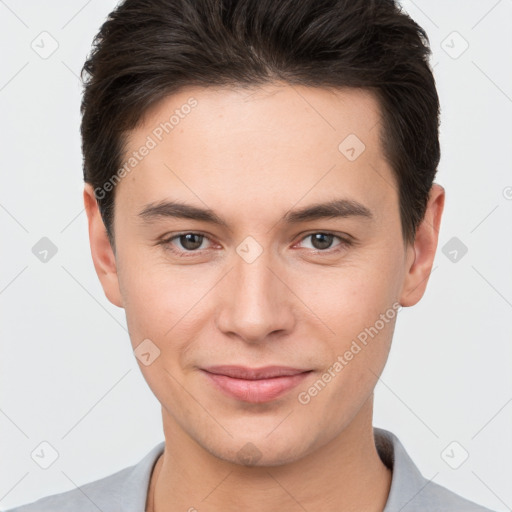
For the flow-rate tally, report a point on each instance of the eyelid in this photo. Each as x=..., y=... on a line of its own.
x=166, y=242
x=345, y=241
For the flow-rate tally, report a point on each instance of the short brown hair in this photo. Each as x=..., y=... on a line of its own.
x=149, y=49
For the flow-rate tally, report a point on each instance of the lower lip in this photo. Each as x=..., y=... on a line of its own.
x=256, y=391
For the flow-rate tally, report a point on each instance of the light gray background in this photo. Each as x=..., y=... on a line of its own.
x=68, y=375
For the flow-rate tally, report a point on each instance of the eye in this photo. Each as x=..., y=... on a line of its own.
x=322, y=242
x=183, y=243
x=191, y=243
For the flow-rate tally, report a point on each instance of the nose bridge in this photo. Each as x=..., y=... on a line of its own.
x=255, y=302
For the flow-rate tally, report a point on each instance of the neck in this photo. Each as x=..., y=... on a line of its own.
x=346, y=474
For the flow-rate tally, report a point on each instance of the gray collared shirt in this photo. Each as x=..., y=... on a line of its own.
x=126, y=490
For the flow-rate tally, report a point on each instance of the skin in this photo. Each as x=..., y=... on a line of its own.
x=251, y=156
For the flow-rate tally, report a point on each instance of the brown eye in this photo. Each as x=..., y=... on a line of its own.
x=321, y=241
x=190, y=241
x=186, y=244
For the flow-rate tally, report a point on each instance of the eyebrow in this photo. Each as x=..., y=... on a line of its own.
x=339, y=208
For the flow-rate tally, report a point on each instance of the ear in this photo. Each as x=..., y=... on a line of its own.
x=420, y=255
x=102, y=254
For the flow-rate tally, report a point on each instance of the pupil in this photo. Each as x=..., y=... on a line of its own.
x=188, y=241
x=322, y=240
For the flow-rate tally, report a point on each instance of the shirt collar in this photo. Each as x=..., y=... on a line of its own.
x=406, y=480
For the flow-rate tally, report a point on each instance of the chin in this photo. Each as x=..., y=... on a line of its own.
x=262, y=450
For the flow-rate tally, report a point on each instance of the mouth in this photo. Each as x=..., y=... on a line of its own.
x=256, y=385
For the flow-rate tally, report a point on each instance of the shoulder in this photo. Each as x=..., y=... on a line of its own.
x=101, y=494
x=124, y=490
x=441, y=499
x=410, y=490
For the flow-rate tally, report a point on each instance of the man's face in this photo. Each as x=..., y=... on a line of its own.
x=263, y=288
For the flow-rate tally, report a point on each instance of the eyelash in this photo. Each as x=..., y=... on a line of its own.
x=167, y=243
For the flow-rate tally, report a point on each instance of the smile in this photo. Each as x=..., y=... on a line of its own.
x=256, y=385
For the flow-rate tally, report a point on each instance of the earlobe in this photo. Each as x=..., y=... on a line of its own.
x=421, y=254
x=101, y=251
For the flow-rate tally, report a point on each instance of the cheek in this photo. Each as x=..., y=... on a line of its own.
x=350, y=298
x=162, y=302
x=358, y=304
x=148, y=295
x=159, y=306
x=363, y=320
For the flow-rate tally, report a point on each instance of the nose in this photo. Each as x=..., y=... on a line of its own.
x=256, y=302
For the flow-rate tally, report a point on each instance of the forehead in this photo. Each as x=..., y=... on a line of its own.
x=235, y=147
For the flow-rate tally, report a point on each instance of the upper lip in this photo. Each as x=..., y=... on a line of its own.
x=243, y=372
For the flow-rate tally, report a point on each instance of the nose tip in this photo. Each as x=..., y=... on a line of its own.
x=256, y=304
